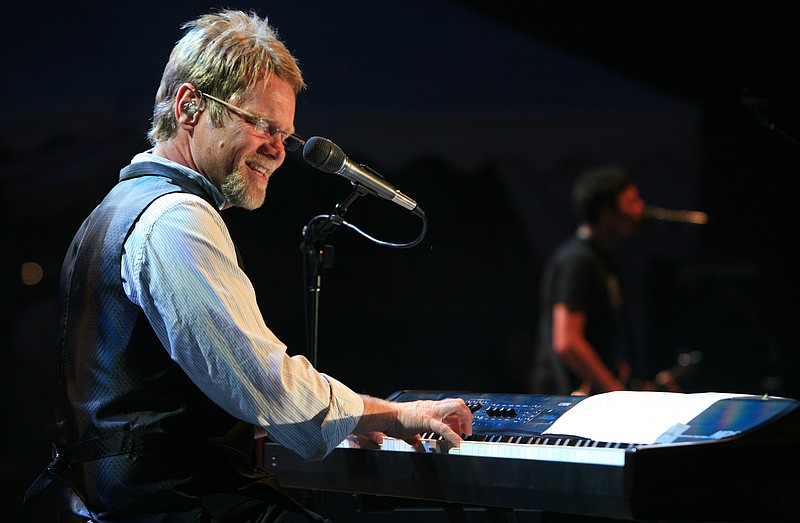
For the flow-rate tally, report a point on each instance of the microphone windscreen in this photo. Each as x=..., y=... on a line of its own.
x=323, y=154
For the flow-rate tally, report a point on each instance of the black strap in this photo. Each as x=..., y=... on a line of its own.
x=104, y=447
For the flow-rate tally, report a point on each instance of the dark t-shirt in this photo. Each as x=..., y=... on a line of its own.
x=582, y=276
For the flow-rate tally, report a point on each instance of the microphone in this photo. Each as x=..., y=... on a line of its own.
x=328, y=157
x=670, y=215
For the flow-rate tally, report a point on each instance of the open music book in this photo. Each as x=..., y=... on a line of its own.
x=634, y=416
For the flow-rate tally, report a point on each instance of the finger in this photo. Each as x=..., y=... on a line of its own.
x=414, y=440
x=463, y=416
x=374, y=437
x=446, y=432
x=463, y=420
x=454, y=422
x=365, y=441
x=466, y=418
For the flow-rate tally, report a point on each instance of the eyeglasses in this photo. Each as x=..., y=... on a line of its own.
x=290, y=141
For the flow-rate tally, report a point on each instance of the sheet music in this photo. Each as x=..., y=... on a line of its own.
x=632, y=416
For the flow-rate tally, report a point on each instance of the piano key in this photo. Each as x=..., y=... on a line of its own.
x=561, y=453
x=567, y=450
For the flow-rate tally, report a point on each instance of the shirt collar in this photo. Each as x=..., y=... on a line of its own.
x=213, y=191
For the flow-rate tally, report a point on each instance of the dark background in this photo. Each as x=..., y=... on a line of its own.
x=483, y=112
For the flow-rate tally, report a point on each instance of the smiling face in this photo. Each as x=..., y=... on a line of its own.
x=237, y=158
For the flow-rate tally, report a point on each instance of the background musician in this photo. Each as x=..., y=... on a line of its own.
x=581, y=344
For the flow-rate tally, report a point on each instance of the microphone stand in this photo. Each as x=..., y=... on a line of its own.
x=318, y=255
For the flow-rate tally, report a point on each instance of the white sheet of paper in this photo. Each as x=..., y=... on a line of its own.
x=632, y=416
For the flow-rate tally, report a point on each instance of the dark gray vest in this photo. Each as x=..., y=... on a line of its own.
x=133, y=433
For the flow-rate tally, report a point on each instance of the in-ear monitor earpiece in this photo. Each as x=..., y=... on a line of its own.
x=191, y=109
